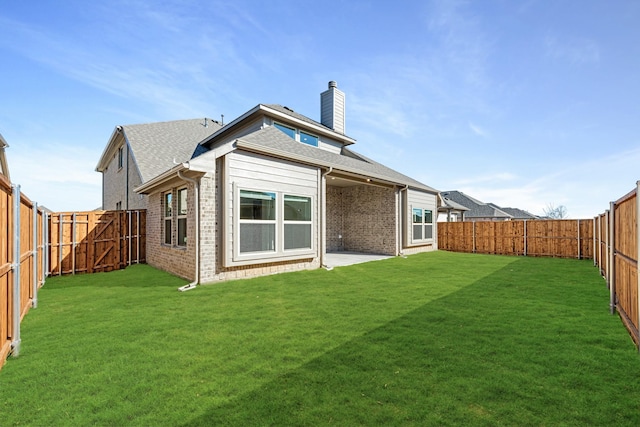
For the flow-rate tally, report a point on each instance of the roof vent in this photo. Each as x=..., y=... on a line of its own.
x=332, y=105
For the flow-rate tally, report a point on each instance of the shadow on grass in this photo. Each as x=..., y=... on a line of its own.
x=501, y=351
x=134, y=276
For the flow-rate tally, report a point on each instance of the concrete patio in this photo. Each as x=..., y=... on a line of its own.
x=340, y=259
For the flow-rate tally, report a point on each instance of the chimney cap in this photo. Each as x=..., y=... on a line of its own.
x=333, y=84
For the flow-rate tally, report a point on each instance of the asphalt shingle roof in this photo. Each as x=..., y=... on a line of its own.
x=477, y=209
x=272, y=139
x=155, y=146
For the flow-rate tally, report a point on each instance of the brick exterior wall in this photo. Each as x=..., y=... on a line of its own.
x=365, y=217
x=181, y=261
x=176, y=260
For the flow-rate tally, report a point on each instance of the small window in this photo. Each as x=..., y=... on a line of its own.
x=291, y=132
x=120, y=157
x=428, y=224
x=308, y=139
x=168, y=217
x=182, y=217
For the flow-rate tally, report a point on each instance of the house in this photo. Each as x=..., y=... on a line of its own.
x=476, y=210
x=4, y=167
x=275, y=191
x=137, y=153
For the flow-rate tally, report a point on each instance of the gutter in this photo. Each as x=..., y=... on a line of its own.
x=196, y=187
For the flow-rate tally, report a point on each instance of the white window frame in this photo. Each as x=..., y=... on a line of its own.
x=181, y=216
x=278, y=253
x=120, y=157
x=423, y=224
x=297, y=132
x=167, y=218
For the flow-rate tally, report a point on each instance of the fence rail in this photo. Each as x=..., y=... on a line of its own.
x=617, y=238
x=35, y=244
x=21, y=262
x=96, y=241
x=551, y=238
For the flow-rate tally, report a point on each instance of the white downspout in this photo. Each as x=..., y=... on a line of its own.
x=400, y=221
x=323, y=216
x=197, y=231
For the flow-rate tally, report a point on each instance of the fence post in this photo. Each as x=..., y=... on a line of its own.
x=15, y=335
x=594, y=242
x=638, y=256
x=473, y=235
x=34, y=301
x=612, y=250
x=138, y=237
x=579, y=242
x=525, y=237
x=60, y=239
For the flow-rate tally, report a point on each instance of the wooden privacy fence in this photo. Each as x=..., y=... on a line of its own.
x=96, y=241
x=617, y=239
x=34, y=244
x=22, y=264
x=551, y=238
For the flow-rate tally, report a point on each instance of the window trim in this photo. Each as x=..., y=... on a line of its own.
x=120, y=157
x=297, y=133
x=180, y=217
x=165, y=217
x=423, y=224
x=279, y=253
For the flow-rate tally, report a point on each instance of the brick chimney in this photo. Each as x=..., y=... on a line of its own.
x=332, y=108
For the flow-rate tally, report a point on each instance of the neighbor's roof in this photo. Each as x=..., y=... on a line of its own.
x=477, y=209
x=450, y=205
x=272, y=141
x=156, y=146
x=4, y=167
x=519, y=213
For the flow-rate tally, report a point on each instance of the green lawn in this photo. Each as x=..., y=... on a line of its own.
x=432, y=339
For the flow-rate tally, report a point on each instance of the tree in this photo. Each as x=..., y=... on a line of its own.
x=555, y=212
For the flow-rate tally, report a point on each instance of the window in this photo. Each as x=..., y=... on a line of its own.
x=291, y=132
x=422, y=224
x=308, y=139
x=120, y=157
x=297, y=222
x=119, y=206
x=257, y=221
x=168, y=217
x=304, y=137
x=273, y=224
x=182, y=217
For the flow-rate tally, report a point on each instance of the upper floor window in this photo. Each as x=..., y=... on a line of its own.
x=120, y=157
x=298, y=135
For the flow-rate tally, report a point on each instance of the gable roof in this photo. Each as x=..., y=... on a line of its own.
x=477, y=209
x=286, y=114
x=155, y=146
x=518, y=213
x=272, y=141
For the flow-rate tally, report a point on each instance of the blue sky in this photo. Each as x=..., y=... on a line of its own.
x=519, y=103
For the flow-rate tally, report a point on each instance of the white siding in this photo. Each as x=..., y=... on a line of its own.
x=423, y=200
x=256, y=172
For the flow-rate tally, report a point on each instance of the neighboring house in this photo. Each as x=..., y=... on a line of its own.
x=451, y=211
x=137, y=153
x=4, y=167
x=275, y=191
x=479, y=211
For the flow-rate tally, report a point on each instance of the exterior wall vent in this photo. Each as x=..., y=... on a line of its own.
x=332, y=106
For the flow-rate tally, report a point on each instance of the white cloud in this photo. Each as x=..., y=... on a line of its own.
x=477, y=130
x=573, y=49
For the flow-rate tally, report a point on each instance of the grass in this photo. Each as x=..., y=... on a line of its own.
x=433, y=339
